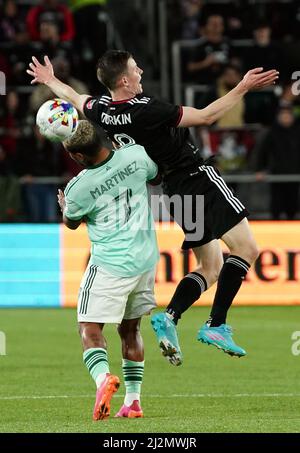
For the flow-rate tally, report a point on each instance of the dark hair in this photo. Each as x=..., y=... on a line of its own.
x=111, y=66
x=86, y=140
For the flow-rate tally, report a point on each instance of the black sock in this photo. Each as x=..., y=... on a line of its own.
x=230, y=279
x=187, y=292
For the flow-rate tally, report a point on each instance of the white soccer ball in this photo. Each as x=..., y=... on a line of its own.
x=57, y=120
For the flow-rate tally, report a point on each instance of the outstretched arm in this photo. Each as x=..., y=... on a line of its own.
x=254, y=79
x=45, y=74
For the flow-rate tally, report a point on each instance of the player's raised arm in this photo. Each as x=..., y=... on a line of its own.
x=253, y=80
x=45, y=74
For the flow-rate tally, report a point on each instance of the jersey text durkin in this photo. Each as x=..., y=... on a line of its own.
x=123, y=118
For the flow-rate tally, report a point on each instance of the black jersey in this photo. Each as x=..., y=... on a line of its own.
x=148, y=122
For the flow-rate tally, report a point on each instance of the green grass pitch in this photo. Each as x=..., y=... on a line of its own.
x=46, y=388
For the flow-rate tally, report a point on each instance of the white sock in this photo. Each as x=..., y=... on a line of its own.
x=170, y=316
x=99, y=379
x=130, y=397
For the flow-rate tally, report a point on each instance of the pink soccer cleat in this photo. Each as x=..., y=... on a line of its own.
x=104, y=395
x=132, y=411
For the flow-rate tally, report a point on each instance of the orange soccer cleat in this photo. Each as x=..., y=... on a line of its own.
x=104, y=395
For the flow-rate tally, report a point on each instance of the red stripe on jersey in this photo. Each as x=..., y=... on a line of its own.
x=179, y=116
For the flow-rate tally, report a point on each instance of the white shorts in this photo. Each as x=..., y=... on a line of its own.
x=105, y=298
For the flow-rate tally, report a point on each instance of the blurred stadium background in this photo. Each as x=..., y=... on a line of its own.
x=192, y=51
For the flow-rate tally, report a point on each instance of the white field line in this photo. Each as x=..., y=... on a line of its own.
x=175, y=395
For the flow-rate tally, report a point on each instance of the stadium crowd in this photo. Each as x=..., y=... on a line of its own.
x=225, y=39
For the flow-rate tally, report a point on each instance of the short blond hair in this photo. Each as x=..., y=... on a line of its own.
x=85, y=140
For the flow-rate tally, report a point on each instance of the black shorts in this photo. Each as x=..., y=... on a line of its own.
x=220, y=209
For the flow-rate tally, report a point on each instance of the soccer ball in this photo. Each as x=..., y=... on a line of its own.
x=57, y=120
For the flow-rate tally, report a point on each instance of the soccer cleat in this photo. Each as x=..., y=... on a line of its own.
x=104, y=395
x=166, y=334
x=221, y=337
x=132, y=411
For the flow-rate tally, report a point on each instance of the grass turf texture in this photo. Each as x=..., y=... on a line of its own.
x=46, y=388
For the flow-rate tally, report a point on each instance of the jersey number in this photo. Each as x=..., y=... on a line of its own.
x=123, y=139
x=124, y=199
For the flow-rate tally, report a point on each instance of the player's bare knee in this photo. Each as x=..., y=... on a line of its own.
x=91, y=335
x=127, y=331
x=211, y=276
x=120, y=330
x=252, y=252
x=255, y=253
x=123, y=331
x=129, y=327
x=80, y=328
x=248, y=251
x=211, y=273
x=218, y=267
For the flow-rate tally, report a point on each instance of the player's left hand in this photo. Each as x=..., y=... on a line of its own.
x=258, y=78
x=61, y=200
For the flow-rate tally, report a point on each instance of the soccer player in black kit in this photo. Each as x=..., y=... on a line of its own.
x=126, y=114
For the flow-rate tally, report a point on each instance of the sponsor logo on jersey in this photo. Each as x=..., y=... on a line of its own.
x=90, y=104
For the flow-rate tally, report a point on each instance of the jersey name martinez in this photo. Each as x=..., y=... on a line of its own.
x=109, y=183
x=123, y=118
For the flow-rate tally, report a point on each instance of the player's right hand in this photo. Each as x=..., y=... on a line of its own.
x=40, y=73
